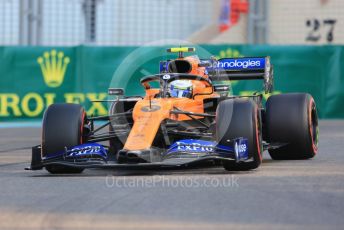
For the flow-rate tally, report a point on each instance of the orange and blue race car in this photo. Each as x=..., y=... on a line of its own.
x=185, y=118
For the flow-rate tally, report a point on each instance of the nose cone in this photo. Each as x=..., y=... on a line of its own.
x=139, y=156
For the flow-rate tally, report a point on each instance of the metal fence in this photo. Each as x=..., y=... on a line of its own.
x=100, y=22
x=138, y=22
x=9, y=22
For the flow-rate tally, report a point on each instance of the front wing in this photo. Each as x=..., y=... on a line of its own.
x=181, y=153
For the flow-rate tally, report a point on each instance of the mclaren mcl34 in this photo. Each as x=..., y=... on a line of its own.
x=187, y=116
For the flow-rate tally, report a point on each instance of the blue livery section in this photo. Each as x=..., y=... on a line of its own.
x=241, y=63
x=84, y=151
x=238, y=149
x=229, y=64
x=163, y=66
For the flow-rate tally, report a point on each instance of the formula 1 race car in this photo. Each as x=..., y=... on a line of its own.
x=183, y=119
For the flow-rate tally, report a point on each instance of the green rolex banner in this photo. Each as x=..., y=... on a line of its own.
x=32, y=78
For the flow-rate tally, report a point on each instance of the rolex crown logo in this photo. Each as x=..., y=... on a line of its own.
x=229, y=53
x=53, y=66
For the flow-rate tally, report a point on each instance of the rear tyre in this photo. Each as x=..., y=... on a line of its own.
x=292, y=119
x=62, y=127
x=240, y=118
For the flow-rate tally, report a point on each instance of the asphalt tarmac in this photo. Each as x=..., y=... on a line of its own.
x=305, y=194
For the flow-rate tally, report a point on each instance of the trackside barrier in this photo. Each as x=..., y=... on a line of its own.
x=31, y=78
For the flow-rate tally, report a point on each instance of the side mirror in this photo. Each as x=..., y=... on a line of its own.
x=204, y=64
x=223, y=90
x=116, y=91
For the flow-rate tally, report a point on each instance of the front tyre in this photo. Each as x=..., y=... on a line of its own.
x=240, y=118
x=62, y=127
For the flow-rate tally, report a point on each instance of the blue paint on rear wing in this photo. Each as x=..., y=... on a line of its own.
x=237, y=64
x=247, y=68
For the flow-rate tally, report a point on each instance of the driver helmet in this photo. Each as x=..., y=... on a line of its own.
x=180, y=88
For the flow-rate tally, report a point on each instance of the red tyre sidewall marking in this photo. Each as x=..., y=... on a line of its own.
x=311, y=103
x=257, y=133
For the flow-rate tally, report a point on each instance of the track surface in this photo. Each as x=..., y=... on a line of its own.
x=279, y=195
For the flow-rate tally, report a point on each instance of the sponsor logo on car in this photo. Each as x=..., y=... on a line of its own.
x=194, y=147
x=85, y=150
x=166, y=77
x=243, y=63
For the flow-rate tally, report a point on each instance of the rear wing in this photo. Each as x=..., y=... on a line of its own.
x=246, y=68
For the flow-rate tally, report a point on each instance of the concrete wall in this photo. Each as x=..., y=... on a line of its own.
x=288, y=21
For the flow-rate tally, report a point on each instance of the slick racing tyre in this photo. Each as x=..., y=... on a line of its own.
x=292, y=120
x=62, y=127
x=240, y=118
